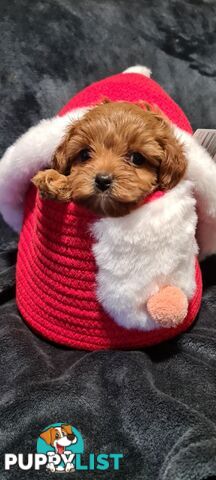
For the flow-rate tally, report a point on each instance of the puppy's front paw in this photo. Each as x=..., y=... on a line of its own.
x=52, y=184
x=50, y=467
x=168, y=307
x=42, y=181
x=69, y=467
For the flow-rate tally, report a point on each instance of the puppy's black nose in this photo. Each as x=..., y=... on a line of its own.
x=103, y=181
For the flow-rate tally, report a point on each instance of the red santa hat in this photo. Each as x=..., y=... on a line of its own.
x=56, y=283
x=56, y=268
x=130, y=87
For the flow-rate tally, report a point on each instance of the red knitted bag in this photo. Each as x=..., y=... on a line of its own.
x=56, y=269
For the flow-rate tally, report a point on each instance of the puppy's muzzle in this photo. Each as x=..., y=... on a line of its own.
x=71, y=437
x=103, y=181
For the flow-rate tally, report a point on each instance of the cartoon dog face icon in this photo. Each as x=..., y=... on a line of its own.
x=59, y=438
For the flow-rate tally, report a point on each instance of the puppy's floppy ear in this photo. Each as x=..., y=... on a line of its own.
x=69, y=431
x=173, y=162
x=59, y=161
x=173, y=165
x=46, y=436
x=54, y=182
x=61, y=158
x=67, y=428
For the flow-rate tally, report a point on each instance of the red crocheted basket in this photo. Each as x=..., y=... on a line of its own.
x=56, y=270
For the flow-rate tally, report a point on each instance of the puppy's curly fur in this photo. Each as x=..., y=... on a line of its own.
x=113, y=157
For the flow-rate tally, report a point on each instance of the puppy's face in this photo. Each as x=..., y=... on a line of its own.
x=59, y=437
x=113, y=157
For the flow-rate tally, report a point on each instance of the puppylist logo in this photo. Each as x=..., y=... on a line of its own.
x=60, y=449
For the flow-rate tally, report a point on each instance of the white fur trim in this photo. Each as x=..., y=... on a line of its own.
x=139, y=69
x=137, y=254
x=31, y=152
x=201, y=170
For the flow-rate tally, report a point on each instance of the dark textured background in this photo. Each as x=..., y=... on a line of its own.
x=157, y=406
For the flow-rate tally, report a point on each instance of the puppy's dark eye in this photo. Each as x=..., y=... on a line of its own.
x=137, y=159
x=84, y=154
